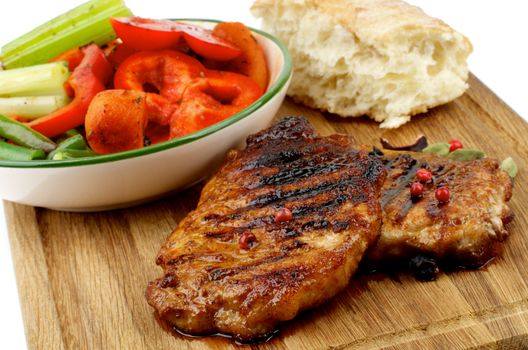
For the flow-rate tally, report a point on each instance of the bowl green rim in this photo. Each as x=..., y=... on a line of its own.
x=272, y=92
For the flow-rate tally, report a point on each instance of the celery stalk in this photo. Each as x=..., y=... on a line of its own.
x=84, y=24
x=43, y=79
x=33, y=106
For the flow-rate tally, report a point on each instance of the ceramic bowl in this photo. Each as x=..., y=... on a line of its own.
x=128, y=178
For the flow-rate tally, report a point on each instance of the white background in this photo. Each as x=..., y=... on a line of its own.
x=497, y=29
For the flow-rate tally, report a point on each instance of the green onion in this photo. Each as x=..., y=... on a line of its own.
x=84, y=24
x=18, y=153
x=32, y=107
x=23, y=135
x=41, y=80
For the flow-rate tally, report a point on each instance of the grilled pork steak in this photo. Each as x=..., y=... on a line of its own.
x=240, y=264
x=283, y=224
x=466, y=231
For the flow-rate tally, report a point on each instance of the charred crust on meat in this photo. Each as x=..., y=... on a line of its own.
x=288, y=128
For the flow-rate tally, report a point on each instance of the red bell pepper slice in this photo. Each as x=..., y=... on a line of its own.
x=88, y=78
x=211, y=99
x=72, y=56
x=165, y=72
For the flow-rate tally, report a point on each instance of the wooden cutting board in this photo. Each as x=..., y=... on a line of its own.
x=82, y=277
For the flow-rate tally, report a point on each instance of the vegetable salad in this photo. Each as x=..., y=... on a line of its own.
x=98, y=80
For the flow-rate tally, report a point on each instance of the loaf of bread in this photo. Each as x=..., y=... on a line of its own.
x=381, y=58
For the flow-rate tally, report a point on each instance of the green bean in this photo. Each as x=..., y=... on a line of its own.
x=75, y=142
x=66, y=135
x=18, y=153
x=73, y=154
x=24, y=135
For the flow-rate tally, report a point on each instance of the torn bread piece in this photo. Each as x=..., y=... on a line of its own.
x=381, y=58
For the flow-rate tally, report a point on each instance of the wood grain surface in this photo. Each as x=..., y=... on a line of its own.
x=82, y=277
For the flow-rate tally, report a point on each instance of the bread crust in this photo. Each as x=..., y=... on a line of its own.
x=372, y=21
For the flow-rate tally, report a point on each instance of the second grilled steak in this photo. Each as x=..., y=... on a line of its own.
x=465, y=232
x=232, y=267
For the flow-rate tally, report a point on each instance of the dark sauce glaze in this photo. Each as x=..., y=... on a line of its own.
x=174, y=331
x=423, y=267
x=419, y=145
x=409, y=167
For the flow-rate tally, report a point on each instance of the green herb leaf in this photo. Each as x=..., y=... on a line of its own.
x=466, y=154
x=440, y=149
x=509, y=166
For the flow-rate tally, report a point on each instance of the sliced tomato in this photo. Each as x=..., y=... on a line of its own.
x=160, y=34
x=146, y=34
x=205, y=43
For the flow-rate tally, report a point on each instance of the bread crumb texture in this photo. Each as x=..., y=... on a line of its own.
x=381, y=58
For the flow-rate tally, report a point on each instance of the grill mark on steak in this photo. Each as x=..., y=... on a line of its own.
x=321, y=208
x=186, y=258
x=216, y=274
x=221, y=235
x=340, y=184
x=181, y=259
x=409, y=167
x=291, y=175
x=289, y=232
x=279, y=198
x=340, y=188
x=274, y=159
x=290, y=128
